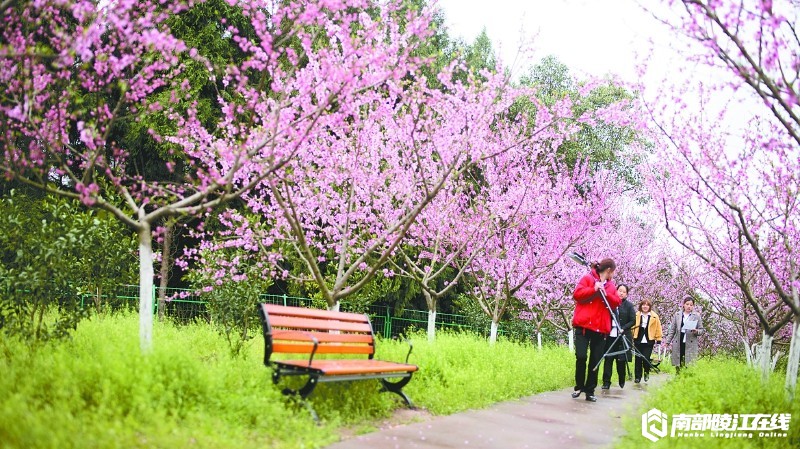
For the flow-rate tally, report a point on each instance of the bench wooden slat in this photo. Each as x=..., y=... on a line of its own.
x=306, y=348
x=279, y=321
x=274, y=309
x=344, y=367
x=322, y=337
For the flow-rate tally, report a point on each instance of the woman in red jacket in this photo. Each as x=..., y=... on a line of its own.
x=592, y=323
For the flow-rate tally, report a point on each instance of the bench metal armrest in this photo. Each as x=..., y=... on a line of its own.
x=307, y=334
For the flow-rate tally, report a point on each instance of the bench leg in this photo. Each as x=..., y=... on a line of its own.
x=303, y=392
x=308, y=387
x=311, y=411
x=397, y=388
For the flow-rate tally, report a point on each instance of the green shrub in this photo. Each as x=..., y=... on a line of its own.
x=715, y=386
x=54, y=252
x=231, y=304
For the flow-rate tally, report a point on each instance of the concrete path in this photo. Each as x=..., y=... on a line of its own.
x=546, y=420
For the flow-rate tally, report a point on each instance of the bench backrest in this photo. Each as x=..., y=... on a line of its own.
x=292, y=330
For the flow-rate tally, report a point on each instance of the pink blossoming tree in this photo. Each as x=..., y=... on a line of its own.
x=345, y=205
x=538, y=214
x=457, y=229
x=440, y=246
x=730, y=197
x=73, y=70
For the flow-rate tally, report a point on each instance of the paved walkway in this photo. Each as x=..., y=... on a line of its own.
x=546, y=420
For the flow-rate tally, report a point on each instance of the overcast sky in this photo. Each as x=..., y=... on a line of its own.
x=595, y=37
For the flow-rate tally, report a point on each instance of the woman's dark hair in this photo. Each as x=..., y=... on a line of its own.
x=687, y=299
x=604, y=265
x=627, y=289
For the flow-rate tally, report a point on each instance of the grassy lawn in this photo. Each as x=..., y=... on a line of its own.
x=716, y=386
x=97, y=391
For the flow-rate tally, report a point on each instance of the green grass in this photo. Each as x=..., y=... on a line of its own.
x=461, y=372
x=716, y=386
x=97, y=391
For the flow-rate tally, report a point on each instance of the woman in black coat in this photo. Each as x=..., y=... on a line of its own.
x=626, y=316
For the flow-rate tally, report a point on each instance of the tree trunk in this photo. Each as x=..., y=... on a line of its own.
x=794, y=345
x=571, y=340
x=335, y=308
x=794, y=360
x=748, y=353
x=431, y=325
x=166, y=264
x=493, y=333
x=145, y=288
x=98, y=302
x=430, y=300
x=765, y=358
x=539, y=340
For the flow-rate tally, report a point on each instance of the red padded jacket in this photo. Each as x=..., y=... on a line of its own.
x=590, y=312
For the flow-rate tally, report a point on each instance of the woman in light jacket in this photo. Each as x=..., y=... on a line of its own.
x=684, y=328
x=646, y=334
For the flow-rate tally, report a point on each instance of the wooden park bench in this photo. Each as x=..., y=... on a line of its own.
x=348, y=336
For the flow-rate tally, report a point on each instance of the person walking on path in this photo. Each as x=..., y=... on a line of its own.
x=684, y=328
x=647, y=332
x=592, y=323
x=626, y=316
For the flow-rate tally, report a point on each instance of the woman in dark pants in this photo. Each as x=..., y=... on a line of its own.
x=592, y=323
x=626, y=316
x=646, y=333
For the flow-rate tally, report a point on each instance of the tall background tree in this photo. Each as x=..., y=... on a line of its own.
x=731, y=196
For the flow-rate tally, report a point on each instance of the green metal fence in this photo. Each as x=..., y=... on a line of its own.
x=383, y=321
x=181, y=305
x=185, y=305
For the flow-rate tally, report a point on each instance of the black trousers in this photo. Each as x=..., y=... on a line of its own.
x=682, y=356
x=683, y=353
x=588, y=347
x=608, y=363
x=643, y=363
